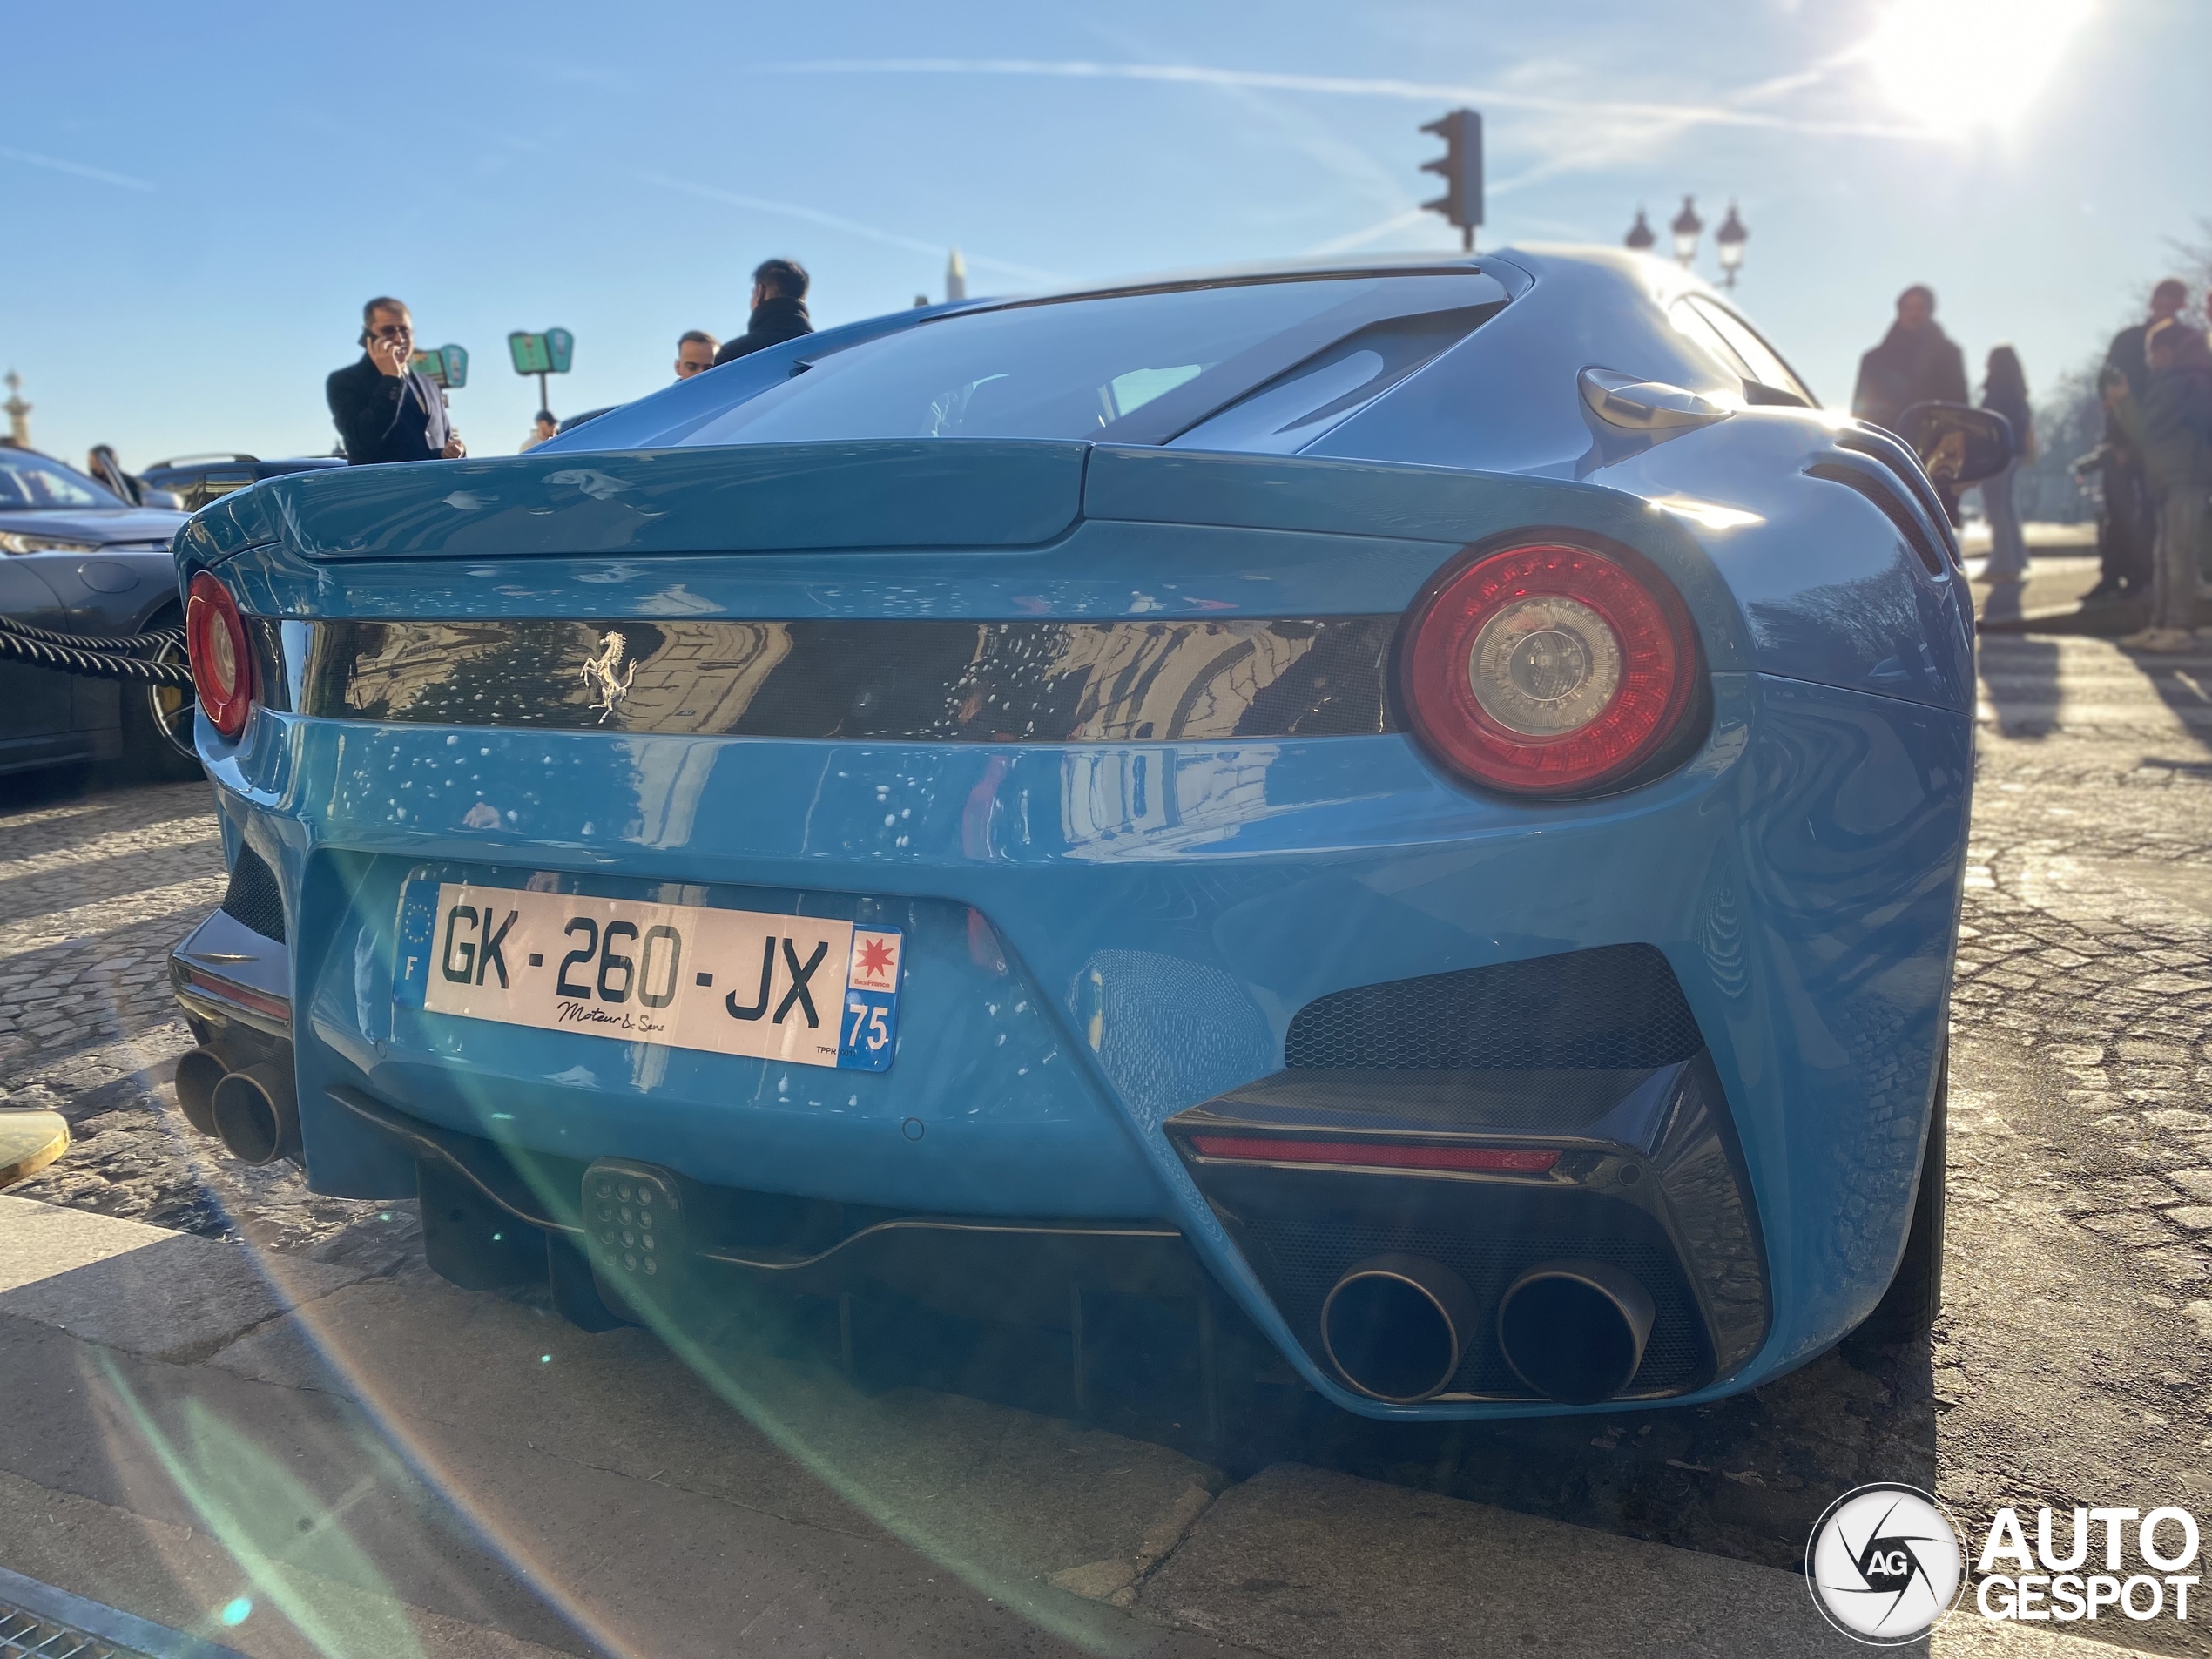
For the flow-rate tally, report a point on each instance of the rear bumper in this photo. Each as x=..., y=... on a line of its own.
x=1650, y=1183
x=1120, y=934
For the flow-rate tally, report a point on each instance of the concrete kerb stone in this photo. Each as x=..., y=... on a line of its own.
x=141, y=1289
x=182, y=1576
x=1299, y=1562
x=1010, y=1494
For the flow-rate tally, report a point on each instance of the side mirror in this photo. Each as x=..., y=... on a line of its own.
x=149, y=496
x=1957, y=445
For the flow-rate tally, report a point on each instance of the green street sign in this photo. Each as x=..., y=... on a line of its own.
x=546, y=353
x=529, y=354
x=448, y=366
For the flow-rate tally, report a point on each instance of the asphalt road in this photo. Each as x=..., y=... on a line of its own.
x=933, y=1505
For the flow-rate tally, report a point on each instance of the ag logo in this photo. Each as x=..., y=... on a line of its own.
x=1883, y=1564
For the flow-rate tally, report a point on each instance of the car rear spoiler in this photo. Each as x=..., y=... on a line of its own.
x=897, y=493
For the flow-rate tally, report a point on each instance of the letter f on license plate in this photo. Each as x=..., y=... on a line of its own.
x=812, y=991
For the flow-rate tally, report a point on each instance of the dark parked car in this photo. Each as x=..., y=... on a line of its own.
x=200, y=479
x=78, y=558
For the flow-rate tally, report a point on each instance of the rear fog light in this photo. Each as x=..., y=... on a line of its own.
x=1376, y=1155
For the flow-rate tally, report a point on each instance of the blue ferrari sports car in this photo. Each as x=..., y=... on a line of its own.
x=1417, y=804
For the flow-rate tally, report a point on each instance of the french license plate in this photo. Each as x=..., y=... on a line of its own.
x=799, y=989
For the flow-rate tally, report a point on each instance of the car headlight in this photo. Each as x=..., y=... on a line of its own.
x=21, y=542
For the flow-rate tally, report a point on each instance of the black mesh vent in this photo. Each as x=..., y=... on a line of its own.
x=1618, y=1006
x=1300, y=1260
x=253, y=897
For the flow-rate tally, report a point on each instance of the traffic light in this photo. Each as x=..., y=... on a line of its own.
x=1461, y=166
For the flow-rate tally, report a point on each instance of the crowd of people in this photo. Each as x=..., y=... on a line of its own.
x=386, y=410
x=2156, y=463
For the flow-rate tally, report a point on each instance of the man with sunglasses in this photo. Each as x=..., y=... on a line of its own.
x=385, y=410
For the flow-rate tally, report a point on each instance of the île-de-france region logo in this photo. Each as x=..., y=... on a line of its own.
x=875, y=961
x=604, y=673
x=1885, y=1564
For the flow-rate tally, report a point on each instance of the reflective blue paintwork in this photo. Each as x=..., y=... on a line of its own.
x=1102, y=934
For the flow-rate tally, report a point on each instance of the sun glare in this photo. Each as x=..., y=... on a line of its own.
x=1958, y=65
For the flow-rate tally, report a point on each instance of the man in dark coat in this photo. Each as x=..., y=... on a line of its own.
x=1917, y=362
x=778, y=309
x=384, y=409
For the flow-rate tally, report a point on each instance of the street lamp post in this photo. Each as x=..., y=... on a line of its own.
x=1686, y=227
x=17, y=411
x=1640, y=239
x=1728, y=242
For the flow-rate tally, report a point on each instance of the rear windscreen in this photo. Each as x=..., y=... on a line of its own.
x=1140, y=367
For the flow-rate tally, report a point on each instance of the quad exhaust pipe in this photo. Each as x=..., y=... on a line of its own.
x=1397, y=1328
x=254, y=1111
x=197, y=1074
x=1574, y=1331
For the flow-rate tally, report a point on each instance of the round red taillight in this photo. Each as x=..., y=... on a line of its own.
x=1546, y=669
x=222, y=668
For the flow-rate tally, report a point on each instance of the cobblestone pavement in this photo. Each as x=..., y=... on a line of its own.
x=2071, y=1365
x=94, y=891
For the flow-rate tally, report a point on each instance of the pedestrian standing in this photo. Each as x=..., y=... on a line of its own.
x=2128, y=351
x=2004, y=391
x=384, y=408
x=695, y=353
x=543, y=427
x=2171, y=426
x=2129, y=525
x=778, y=309
x=1917, y=362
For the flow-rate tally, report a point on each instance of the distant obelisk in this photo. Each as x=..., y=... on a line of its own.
x=19, y=412
x=955, y=278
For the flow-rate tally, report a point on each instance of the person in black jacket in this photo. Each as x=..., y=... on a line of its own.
x=384, y=409
x=778, y=309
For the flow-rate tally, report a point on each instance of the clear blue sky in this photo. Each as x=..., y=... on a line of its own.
x=198, y=198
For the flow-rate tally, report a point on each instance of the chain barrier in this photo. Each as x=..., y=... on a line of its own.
x=95, y=655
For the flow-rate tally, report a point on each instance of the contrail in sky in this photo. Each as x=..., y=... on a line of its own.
x=852, y=227
x=1343, y=85
x=76, y=169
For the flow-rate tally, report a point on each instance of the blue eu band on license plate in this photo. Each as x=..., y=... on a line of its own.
x=808, y=990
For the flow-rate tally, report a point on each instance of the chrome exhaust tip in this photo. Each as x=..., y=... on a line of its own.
x=1574, y=1331
x=1396, y=1327
x=197, y=1072
x=256, y=1116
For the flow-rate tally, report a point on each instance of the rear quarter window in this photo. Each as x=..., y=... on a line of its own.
x=1736, y=345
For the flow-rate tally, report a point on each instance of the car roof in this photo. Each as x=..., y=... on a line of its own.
x=1291, y=269
x=1662, y=279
